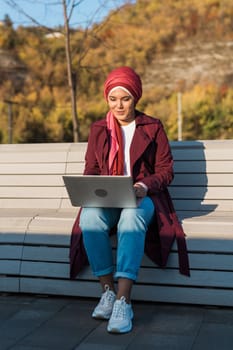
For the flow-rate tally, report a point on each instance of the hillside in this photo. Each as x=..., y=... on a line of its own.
x=174, y=45
x=190, y=64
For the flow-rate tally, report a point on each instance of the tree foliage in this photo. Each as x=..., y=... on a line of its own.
x=136, y=35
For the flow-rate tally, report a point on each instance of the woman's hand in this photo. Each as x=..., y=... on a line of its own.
x=140, y=190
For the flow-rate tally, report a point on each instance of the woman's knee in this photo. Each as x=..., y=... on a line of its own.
x=91, y=219
x=131, y=221
x=137, y=219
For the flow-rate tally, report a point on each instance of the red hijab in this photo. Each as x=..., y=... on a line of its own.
x=127, y=78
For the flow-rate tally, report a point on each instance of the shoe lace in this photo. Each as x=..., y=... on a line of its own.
x=119, y=310
x=107, y=296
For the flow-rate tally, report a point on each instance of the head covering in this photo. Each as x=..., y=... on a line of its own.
x=124, y=77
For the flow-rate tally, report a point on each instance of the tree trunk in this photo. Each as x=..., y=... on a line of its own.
x=71, y=76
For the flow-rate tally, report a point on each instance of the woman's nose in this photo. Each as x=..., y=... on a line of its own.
x=119, y=104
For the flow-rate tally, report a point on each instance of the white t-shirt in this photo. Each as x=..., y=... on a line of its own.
x=127, y=135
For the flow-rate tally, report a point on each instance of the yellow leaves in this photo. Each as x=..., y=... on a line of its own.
x=207, y=113
x=208, y=93
x=32, y=97
x=135, y=36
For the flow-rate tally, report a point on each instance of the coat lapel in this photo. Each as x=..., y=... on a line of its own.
x=140, y=141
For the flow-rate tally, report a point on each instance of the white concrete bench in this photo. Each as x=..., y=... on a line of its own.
x=36, y=219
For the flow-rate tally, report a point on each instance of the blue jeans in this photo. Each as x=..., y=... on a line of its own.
x=132, y=224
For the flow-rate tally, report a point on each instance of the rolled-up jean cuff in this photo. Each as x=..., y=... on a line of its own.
x=125, y=275
x=103, y=272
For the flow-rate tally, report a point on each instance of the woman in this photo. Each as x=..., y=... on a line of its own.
x=127, y=142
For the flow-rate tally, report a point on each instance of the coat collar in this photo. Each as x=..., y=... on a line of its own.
x=143, y=135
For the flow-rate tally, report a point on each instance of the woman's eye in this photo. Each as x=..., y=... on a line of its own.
x=124, y=99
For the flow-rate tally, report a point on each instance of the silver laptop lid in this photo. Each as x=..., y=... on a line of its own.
x=100, y=191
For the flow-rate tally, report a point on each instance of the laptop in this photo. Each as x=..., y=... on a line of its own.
x=100, y=191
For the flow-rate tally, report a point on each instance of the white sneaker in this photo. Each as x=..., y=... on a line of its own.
x=121, y=319
x=104, y=308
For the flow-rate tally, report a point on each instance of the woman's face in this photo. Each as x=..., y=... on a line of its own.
x=122, y=106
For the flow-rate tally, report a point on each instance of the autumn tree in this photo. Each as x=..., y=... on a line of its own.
x=141, y=34
x=68, y=8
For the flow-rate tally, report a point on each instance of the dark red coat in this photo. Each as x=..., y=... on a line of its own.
x=151, y=163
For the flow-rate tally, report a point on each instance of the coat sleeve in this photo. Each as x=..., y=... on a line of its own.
x=163, y=163
x=91, y=162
